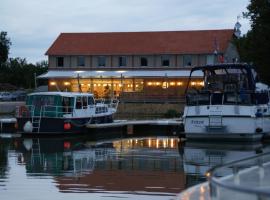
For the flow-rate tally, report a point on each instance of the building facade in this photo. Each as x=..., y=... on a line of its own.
x=135, y=66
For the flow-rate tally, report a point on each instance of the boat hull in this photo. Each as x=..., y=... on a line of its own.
x=51, y=125
x=234, y=128
x=227, y=122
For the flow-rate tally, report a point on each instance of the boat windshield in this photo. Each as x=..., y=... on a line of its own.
x=225, y=86
x=42, y=100
x=49, y=105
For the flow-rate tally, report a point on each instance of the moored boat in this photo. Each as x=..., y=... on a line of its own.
x=62, y=112
x=227, y=105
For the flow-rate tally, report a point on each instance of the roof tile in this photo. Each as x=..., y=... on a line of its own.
x=138, y=43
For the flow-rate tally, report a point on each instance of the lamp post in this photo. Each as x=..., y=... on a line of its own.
x=78, y=80
x=165, y=85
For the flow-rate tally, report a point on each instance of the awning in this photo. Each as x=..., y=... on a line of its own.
x=119, y=73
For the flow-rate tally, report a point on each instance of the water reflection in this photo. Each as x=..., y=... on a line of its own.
x=134, y=168
x=200, y=157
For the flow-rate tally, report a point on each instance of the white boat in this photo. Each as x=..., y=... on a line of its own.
x=227, y=105
x=62, y=112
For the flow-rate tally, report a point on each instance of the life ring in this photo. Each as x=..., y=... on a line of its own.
x=23, y=111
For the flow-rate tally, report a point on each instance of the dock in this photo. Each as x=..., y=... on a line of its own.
x=121, y=123
x=129, y=127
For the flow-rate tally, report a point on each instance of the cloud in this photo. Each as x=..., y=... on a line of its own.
x=34, y=25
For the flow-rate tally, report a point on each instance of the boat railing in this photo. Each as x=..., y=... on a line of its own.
x=226, y=98
x=113, y=104
x=24, y=111
x=248, y=178
x=56, y=111
x=100, y=100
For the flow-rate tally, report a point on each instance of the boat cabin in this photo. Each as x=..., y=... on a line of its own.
x=60, y=104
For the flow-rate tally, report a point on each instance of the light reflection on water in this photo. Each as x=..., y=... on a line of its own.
x=129, y=168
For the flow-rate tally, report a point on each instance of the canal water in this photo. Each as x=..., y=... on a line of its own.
x=145, y=167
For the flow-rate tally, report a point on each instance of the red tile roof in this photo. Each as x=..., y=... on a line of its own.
x=138, y=43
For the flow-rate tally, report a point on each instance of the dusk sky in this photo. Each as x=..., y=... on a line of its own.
x=33, y=25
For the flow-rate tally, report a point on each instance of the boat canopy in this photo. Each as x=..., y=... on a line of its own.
x=228, y=69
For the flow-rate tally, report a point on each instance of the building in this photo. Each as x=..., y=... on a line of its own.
x=135, y=66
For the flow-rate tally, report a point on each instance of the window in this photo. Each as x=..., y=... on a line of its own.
x=210, y=59
x=144, y=62
x=60, y=61
x=81, y=61
x=78, y=103
x=122, y=61
x=101, y=61
x=84, y=102
x=187, y=60
x=91, y=101
x=165, y=60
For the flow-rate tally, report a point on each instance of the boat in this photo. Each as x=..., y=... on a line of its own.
x=62, y=112
x=226, y=105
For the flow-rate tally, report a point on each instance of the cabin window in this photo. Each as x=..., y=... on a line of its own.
x=91, y=101
x=60, y=61
x=78, y=103
x=66, y=103
x=81, y=61
x=122, y=61
x=101, y=61
x=144, y=62
x=84, y=102
x=39, y=101
x=165, y=60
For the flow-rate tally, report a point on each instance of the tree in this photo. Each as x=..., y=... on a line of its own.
x=4, y=47
x=255, y=45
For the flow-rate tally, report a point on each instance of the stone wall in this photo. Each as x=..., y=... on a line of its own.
x=9, y=107
x=146, y=110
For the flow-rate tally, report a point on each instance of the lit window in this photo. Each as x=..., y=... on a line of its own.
x=60, y=61
x=81, y=61
x=144, y=62
x=101, y=61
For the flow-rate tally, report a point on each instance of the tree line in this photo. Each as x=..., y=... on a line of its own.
x=16, y=71
x=254, y=47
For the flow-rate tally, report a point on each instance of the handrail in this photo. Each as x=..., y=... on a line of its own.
x=67, y=110
x=214, y=181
